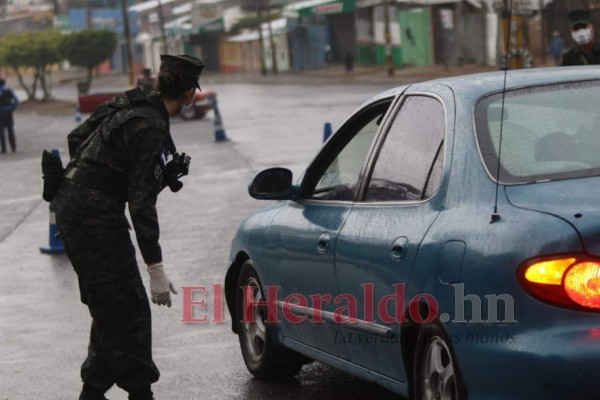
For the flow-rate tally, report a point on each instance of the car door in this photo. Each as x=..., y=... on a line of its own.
x=300, y=244
x=378, y=243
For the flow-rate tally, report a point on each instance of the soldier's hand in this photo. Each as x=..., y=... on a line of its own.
x=160, y=285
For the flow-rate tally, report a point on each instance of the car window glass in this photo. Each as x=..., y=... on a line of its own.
x=541, y=133
x=409, y=165
x=339, y=179
x=435, y=178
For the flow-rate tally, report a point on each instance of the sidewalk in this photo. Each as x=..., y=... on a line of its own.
x=361, y=75
x=64, y=83
x=334, y=75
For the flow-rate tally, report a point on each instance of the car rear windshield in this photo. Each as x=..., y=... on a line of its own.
x=541, y=133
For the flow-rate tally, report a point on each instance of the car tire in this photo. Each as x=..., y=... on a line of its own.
x=436, y=375
x=189, y=113
x=264, y=356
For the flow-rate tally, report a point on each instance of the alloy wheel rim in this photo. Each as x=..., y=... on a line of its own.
x=255, y=332
x=439, y=377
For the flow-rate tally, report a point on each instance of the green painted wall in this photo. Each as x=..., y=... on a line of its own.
x=396, y=55
x=416, y=36
x=366, y=54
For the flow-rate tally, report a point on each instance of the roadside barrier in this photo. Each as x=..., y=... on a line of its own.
x=55, y=244
x=220, y=135
x=327, y=130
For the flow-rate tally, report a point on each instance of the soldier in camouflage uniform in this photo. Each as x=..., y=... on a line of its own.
x=119, y=155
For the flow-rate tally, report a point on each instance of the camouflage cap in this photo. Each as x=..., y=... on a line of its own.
x=577, y=17
x=188, y=67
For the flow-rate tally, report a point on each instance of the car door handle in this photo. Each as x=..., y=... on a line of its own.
x=399, y=248
x=323, y=243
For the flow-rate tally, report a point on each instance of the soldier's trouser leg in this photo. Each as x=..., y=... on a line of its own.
x=121, y=338
x=120, y=349
x=10, y=129
x=2, y=134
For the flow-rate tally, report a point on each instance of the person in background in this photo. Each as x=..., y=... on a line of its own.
x=146, y=82
x=328, y=57
x=349, y=62
x=583, y=32
x=8, y=104
x=556, y=48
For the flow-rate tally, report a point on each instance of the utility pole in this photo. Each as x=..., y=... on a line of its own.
x=128, y=42
x=272, y=43
x=543, y=29
x=460, y=32
x=88, y=14
x=263, y=67
x=388, y=37
x=161, y=21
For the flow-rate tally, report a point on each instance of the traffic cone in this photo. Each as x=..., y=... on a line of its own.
x=55, y=244
x=220, y=135
x=327, y=130
x=77, y=114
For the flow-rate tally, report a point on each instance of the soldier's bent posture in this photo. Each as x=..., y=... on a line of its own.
x=118, y=156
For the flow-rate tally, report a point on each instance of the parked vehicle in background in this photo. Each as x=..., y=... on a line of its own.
x=444, y=243
x=203, y=103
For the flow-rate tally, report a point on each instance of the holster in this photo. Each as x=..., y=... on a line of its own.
x=52, y=172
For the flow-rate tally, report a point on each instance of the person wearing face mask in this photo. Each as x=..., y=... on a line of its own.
x=119, y=155
x=583, y=33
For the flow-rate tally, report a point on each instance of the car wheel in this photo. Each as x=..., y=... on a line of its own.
x=435, y=373
x=264, y=356
x=188, y=113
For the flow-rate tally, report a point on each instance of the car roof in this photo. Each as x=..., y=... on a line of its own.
x=475, y=86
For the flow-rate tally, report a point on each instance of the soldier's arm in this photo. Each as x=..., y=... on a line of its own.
x=145, y=176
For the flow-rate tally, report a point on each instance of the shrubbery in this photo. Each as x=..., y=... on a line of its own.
x=38, y=51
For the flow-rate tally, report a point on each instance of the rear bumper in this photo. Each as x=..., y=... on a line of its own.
x=504, y=363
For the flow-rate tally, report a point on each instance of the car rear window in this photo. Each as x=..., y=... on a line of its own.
x=548, y=132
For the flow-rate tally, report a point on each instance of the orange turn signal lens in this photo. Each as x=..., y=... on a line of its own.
x=582, y=284
x=548, y=272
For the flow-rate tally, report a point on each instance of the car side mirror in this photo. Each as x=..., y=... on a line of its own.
x=272, y=184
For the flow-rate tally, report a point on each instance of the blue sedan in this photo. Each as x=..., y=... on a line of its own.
x=444, y=243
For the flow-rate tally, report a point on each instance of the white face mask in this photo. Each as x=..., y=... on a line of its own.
x=191, y=103
x=582, y=36
x=186, y=107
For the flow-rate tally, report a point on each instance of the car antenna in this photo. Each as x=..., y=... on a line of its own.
x=495, y=214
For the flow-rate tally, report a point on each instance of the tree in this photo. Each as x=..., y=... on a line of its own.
x=88, y=48
x=36, y=50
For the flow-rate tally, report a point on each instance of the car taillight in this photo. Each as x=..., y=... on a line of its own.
x=582, y=284
x=568, y=281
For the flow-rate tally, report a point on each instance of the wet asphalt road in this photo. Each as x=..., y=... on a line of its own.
x=43, y=326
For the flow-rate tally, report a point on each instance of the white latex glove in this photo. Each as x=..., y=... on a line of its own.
x=160, y=285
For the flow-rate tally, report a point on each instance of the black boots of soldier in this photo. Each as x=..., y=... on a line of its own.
x=141, y=394
x=90, y=393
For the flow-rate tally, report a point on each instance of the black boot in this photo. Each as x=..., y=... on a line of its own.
x=91, y=393
x=141, y=394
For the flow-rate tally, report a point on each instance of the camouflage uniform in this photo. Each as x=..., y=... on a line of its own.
x=120, y=154
x=576, y=57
